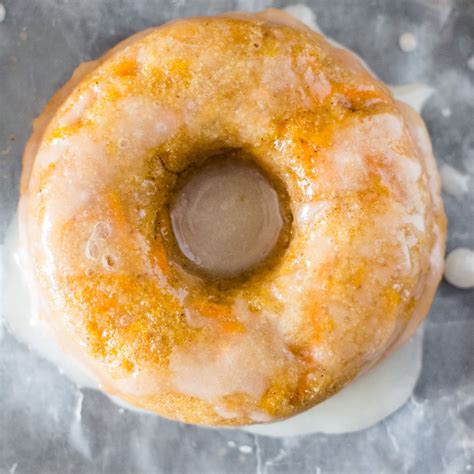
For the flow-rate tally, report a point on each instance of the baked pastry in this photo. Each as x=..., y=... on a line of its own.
x=359, y=250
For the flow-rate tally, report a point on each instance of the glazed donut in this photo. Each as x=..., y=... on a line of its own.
x=360, y=235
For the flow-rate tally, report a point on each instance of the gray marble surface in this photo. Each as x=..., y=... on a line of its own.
x=48, y=426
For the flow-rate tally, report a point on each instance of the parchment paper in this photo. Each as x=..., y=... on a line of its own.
x=48, y=426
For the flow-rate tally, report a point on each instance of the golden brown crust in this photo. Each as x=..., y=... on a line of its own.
x=363, y=261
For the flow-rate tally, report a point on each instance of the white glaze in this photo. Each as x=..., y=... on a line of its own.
x=304, y=14
x=415, y=95
x=453, y=182
x=407, y=42
x=390, y=383
x=21, y=316
x=367, y=400
x=202, y=370
x=459, y=268
x=446, y=112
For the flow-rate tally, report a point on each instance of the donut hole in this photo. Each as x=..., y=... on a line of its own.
x=228, y=217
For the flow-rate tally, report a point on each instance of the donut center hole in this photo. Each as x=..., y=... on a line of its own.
x=226, y=217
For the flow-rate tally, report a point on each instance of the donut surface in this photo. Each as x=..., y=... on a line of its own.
x=355, y=272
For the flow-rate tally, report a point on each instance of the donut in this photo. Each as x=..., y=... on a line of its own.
x=357, y=233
